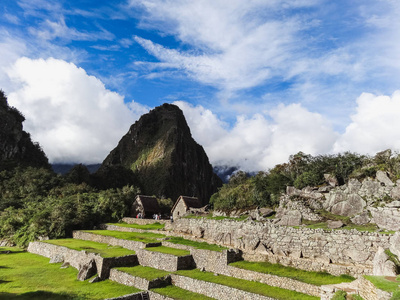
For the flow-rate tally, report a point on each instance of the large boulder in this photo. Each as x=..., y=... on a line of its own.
x=87, y=270
x=382, y=265
x=382, y=177
x=290, y=218
x=351, y=206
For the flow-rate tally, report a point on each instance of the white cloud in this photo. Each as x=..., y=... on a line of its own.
x=236, y=46
x=262, y=141
x=71, y=114
x=374, y=127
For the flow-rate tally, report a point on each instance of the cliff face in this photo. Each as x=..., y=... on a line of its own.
x=16, y=146
x=160, y=150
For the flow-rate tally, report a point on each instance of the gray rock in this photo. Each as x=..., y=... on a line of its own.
x=266, y=212
x=382, y=266
x=395, y=192
x=361, y=219
x=291, y=218
x=56, y=259
x=352, y=206
x=395, y=244
x=95, y=279
x=394, y=204
x=331, y=180
x=382, y=177
x=65, y=265
x=335, y=224
x=87, y=270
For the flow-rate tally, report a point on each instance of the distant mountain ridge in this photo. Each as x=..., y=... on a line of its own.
x=166, y=160
x=16, y=146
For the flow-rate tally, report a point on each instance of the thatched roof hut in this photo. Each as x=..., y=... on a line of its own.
x=146, y=205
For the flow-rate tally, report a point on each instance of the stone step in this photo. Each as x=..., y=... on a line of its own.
x=134, y=276
x=82, y=259
x=165, y=261
x=128, y=243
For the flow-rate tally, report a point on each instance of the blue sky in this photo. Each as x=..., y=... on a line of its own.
x=257, y=80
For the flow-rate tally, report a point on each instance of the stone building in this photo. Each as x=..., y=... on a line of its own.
x=146, y=205
x=183, y=205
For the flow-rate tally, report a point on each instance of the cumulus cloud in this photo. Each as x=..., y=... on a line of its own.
x=261, y=141
x=374, y=126
x=71, y=114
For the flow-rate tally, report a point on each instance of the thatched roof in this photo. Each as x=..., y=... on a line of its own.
x=149, y=203
x=190, y=202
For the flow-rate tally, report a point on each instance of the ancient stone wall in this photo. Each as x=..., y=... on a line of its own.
x=77, y=259
x=369, y=292
x=138, y=282
x=128, y=244
x=143, y=221
x=136, y=296
x=213, y=290
x=302, y=247
x=163, y=261
x=155, y=296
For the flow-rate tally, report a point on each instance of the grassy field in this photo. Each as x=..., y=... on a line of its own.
x=168, y=250
x=144, y=237
x=316, y=278
x=245, y=285
x=382, y=283
x=144, y=272
x=103, y=249
x=194, y=244
x=180, y=294
x=28, y=276
x=154, y=226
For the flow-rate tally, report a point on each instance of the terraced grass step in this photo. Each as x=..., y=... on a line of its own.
x=134, y=227
x=165, y=258
x=229, y=288
x=29, y=276
x=314, y=278
x=129, y=240
x=104, y=250
x=141, y=277
x=74, y=252
x=174, y=292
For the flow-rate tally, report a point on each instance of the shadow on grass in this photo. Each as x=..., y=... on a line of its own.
x=4, y=267
x=38, y=295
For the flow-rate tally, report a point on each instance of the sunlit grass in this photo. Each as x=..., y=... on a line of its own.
x=144, y=237
x=246, y=285
x=316, y=278
x=168, y=250
x=194, y=244
x=104, y=250
x=153, y=226
x=144, y=272
x=25, y=275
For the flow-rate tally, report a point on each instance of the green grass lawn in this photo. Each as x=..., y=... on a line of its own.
x=316, y=278
x=197, y=245
x=245, y=285
x=144, y=237
x=154, y=226
x=180, y=294
x=144, y=272
x=168, y=250
x=25, y=275
x=103, y=249
x=381, y=283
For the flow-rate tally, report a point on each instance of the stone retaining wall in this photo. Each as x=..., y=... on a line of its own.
x=351, y=250
x=138, y=282
x=136, y=296
x=155, y=296
x=368, y=291
x=143, y=221
x=128, y=244
x=214, y=290
x=77, y=259
x=163, y=261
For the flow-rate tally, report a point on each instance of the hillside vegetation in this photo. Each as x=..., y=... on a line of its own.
x=263, y=189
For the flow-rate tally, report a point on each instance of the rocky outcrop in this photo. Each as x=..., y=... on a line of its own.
x=383, y=266
x=160, y=150
x=16, y=146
